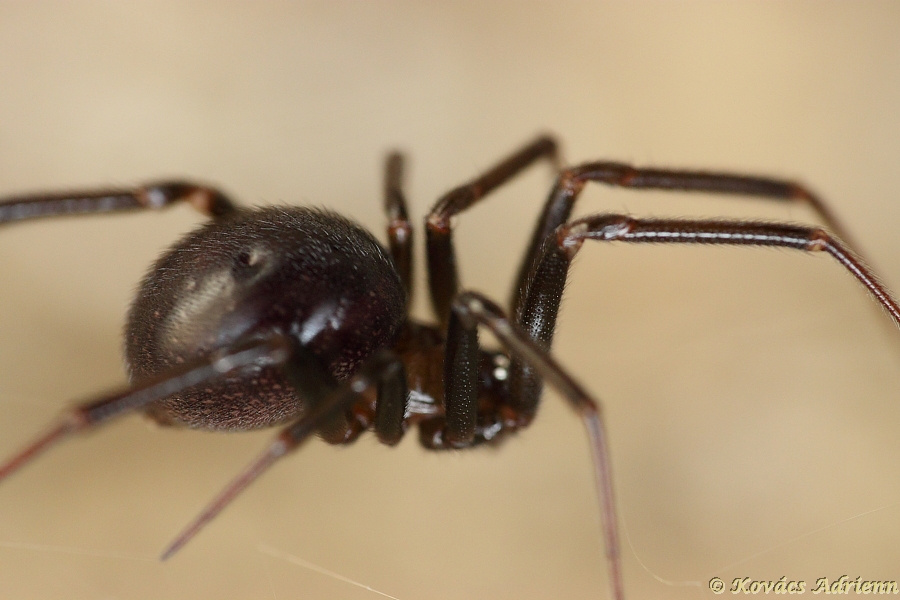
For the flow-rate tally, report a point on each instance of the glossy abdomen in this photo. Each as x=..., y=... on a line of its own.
x=310, y=274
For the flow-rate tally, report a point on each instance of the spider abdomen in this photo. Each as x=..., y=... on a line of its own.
x=310, y=274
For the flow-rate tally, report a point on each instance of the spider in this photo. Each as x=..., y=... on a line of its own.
x=294, y=315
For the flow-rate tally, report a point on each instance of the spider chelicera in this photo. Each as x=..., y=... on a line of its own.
x=294, y=315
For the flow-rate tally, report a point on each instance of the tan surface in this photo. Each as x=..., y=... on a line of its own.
x=751, y=395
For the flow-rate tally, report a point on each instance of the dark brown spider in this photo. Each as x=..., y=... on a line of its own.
x=299, y=316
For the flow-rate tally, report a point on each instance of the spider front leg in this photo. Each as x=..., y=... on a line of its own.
x=571, y=182
x=543, y=290
x=443, y=278
x=207, y=200
x=469, y=311
x=529, y=338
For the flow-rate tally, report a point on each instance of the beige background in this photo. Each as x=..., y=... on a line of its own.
x=752, y=396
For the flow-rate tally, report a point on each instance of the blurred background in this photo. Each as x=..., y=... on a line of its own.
x=751, y=395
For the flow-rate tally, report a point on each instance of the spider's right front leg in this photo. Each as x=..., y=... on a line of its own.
x=471, y=310
x=207, y=200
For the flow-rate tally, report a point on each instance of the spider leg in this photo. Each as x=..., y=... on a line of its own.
x=443, y=280
x=382, y=370
x=458, y=426
x=399, y=230
x=540, y=305
x=571, y=182
x=393, y=398
x=460, y=381
x=92, y=414
x=207, y=200
x=471, y=309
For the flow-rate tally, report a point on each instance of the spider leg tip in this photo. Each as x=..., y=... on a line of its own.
x=169, y=552
x=178, y=543
x=33, y=449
